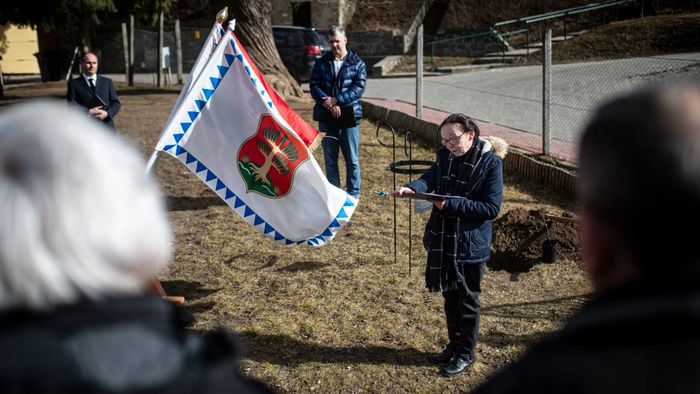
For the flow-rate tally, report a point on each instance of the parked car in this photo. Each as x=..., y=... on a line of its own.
x=299, y=48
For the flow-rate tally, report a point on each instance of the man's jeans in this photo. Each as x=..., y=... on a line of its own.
x=348, y=140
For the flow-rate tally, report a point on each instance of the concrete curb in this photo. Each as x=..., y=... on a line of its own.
x=425, y=131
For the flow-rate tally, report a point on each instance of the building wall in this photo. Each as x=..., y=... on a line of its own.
x=19, y=58
x=281, y=12
x=325, y=13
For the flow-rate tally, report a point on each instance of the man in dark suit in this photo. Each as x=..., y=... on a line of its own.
x=93, y=92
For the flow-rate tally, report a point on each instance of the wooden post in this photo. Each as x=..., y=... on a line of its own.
x=125, y=44
x=160, y=50
x=178, y=50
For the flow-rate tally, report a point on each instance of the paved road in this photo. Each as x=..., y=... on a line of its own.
x=512, y=96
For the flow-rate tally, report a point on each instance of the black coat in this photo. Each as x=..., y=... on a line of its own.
x=126, y=345
x=79, y=93
x=483, y=196
x=643, y=338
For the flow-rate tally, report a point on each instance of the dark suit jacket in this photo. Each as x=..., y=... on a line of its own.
x=79, y=93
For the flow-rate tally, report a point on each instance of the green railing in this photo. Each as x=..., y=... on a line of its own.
x=475, y=35
x=527, y=21
x=560, y=14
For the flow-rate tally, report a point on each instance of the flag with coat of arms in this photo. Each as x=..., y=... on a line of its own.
x=240, y=138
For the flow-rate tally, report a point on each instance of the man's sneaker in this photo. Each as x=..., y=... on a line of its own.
x=458, y=365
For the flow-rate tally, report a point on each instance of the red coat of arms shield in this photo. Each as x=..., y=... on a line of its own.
x=268, y=160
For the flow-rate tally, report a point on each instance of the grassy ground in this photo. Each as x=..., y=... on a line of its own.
x=649, y=36
x=344, y=317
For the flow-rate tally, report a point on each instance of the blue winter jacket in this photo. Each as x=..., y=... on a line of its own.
x=480, y=205
x=347, y=88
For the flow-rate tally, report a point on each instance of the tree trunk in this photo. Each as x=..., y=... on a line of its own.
x=86, y=28
x=254, y=29
x=434, y=16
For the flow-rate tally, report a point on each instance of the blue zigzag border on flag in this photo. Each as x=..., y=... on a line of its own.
x=248, y=214
x=200, y=103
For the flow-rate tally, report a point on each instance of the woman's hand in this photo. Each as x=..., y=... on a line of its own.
x=400, y=192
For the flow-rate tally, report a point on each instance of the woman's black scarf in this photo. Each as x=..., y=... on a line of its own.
x=441, y=273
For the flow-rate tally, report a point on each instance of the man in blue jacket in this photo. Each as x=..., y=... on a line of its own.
x=458, y=233
x=338, y=81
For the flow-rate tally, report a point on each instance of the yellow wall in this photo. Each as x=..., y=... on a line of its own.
x=19, y=58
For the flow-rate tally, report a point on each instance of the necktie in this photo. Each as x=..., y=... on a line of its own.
x=92, y=85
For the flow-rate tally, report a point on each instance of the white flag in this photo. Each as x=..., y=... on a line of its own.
x=210, y=44
x=237, y=135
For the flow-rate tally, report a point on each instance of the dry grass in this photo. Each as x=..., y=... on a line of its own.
x=344, y=317
x=648, y=36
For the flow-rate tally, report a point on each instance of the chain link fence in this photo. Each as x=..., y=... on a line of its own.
x=504, y=90
x=111, y=49
x=509, y=100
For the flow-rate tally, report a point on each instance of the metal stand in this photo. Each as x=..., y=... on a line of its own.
x=403, y=167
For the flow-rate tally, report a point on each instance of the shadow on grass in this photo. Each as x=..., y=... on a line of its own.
x=304, y=266
x=231, y=260
x=192, y=291
x=192, y=203
x=142, y=91
x=501, y=340
x=283, y=350
x=556, y=308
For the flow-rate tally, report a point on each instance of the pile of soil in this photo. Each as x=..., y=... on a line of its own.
x=518, y=237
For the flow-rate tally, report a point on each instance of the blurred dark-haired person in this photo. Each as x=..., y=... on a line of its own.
x=458, y=233
x=639, y=173
x=83, y=231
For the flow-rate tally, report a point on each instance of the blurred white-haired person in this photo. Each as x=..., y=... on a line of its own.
x=83, y=230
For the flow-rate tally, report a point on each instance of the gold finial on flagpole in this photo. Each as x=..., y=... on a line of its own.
x=222, y=15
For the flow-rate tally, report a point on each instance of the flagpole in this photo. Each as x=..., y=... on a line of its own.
x=155, y=285
x=152, y=161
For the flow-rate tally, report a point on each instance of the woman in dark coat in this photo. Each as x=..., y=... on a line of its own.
x=458, y=233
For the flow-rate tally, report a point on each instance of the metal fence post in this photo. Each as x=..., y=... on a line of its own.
x=159, y=63
x=546, y=90
x=131, y=50
x=419, y=73
x=125, y=44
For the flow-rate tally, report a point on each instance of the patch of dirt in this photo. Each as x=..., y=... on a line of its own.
x=518, y=237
